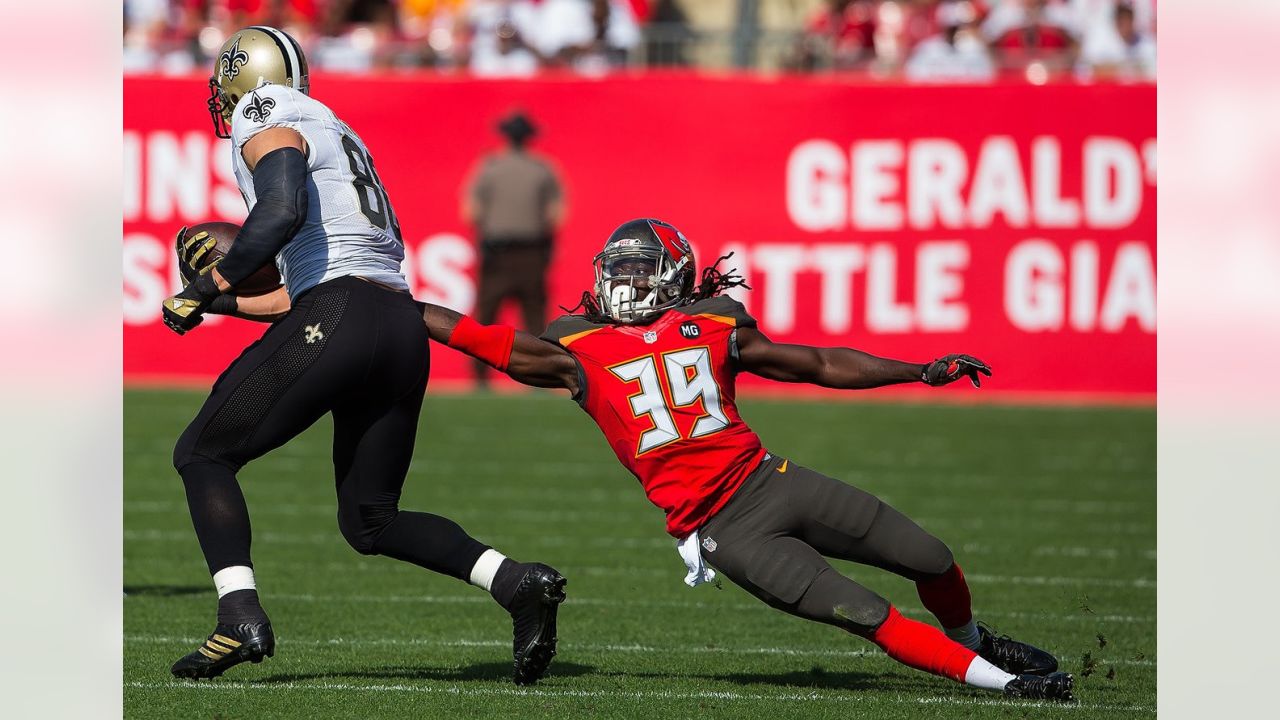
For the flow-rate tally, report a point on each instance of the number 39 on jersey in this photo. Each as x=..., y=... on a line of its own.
x=678, y=382
x=663, y=395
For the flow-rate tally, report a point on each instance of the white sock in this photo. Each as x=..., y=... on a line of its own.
x=966, y=635
x=982, y=674
x=486, y=567
x=231, y=579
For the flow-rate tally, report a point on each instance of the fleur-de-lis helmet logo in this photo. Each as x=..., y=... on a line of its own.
x=258, y=108
x=231, y=60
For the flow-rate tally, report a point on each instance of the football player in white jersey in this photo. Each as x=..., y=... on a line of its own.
x=347, y=339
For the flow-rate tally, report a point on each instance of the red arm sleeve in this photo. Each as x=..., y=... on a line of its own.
x=490, y=343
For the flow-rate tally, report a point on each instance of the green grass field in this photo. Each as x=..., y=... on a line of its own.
x=1050, y=511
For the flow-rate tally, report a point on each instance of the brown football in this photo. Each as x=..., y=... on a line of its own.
x=263, y=281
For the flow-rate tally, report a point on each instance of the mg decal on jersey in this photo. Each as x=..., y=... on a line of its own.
x=690, y=330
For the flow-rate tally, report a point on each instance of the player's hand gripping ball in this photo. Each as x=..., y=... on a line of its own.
x=202, y=247
x=948, y=369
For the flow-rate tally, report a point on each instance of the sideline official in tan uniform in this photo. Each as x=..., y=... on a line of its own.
x=514, y=201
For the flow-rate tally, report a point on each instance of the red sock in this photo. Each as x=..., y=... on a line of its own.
x=947, y=597
x=922, y=647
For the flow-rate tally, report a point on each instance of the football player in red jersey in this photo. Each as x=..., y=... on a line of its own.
x=653, y=358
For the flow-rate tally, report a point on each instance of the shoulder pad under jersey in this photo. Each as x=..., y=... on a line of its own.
x=267, y=107
x=567, y=328
x=720, y=307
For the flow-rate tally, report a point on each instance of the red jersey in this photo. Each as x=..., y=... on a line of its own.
x=663, y=395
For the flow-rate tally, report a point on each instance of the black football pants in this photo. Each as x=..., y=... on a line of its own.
x=348, y=347
x=772, y=536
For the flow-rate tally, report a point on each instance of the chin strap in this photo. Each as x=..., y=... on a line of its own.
x=622, y=299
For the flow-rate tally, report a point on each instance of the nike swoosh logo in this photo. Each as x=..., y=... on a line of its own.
x=783, y=467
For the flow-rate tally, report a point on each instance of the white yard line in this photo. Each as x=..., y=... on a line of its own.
x=684, y=604
x=1034, y=704
x=1091, y=508
x=724, y=695
x=678, y=604
x=289, y=538
x=585, y=647
x=1052, y=580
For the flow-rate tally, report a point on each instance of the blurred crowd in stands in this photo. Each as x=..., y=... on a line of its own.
x=922, y=40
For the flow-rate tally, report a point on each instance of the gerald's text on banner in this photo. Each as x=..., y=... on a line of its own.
x=1015, y=223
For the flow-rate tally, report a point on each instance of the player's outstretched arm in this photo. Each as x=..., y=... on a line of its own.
x=846, y=368
x=522, y=356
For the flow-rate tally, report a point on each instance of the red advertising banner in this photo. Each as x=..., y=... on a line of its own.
x=1012, y=222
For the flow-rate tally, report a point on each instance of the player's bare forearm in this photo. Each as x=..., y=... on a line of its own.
x=440, y=322
x=841, y=368
x=218, y=280
x=846, y=368
x=536, y=362
x=266, y=308
x=532, y=361
x=849, y=369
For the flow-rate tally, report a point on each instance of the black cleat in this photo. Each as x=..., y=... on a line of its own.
x=533, y=619
x=228, y=646
x=1054, y=686
x=1013, y=657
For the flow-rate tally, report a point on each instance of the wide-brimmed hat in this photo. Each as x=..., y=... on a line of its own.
x=517, y=127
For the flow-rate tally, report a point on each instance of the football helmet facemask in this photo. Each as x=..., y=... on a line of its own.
x=646, y=268
x=253, y=57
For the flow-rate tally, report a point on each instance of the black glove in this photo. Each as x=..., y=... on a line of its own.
x=185, y=310
x=948, y=369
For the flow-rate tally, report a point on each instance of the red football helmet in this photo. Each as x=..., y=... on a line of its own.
x=646, y=267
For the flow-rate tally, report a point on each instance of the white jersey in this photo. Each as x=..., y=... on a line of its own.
x=350, y=227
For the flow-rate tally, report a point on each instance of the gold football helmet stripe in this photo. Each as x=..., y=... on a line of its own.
x=225, y=641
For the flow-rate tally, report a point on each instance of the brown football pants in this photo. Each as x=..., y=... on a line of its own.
x=772, y=536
